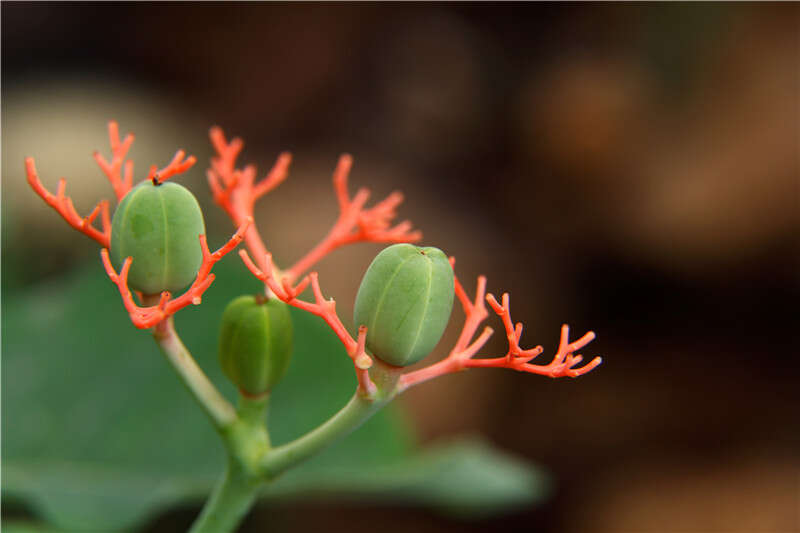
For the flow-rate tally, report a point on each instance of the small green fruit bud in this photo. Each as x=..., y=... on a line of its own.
x=255, y=343
x=158, y=226
x=405, y=300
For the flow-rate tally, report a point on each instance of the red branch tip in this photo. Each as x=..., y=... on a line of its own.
x=236, y=190
x=64, y=206
x=461, y=356
x=325, y=309
x=147, y=317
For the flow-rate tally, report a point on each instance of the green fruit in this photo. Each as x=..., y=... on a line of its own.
x=405, y=300
x=158, y=226
x=255, y=343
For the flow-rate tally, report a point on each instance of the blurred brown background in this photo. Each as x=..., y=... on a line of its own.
x=631, y=169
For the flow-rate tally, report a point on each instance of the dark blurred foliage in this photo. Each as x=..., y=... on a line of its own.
x=628, y=168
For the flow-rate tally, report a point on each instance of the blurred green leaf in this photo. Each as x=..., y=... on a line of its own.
x=466, y=478
x=29, y=527
x=99, y=435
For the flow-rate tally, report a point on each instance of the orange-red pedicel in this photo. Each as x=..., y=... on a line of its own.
x=142, y=317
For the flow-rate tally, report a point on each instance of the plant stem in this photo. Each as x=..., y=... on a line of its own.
x=220, y=411
x=229, y=503
x=246, y=442
x=251, y=460
x=252, y=411
x=350, y=417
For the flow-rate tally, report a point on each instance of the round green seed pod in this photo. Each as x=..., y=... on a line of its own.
x=255, y=343
x=158, y=226
x=405, y=300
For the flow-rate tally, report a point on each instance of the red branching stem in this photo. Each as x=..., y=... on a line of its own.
x=563, y=363
x=463, y=350
x=64, y=206
x=236, y=191
x=178, y=165
x=147, y=317
x=119, y=149
x=475, y=312
x=461, y=356
x=114, y=170
x=119, y=173
x=356, y=224
x=325, y=309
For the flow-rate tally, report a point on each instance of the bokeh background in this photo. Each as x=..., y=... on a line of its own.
x=628, y=168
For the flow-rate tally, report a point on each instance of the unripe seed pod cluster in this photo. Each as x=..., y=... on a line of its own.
x=158, y=225
x=405, y=300
x=255, y=343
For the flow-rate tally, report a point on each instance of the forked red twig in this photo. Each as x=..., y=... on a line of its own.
x=114, y=170
x=120, y=175
x=149, y=316
x=236, y=191
x=64, y=206
x=178, y=165
x=355, y=223
x=325, y=309
x=462, y=355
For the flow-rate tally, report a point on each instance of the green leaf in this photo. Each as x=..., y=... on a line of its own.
x=466, y=477
x=98, y=433
x=29, y=527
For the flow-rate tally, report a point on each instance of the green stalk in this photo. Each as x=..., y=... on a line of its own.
x=229, y=503
x=243, y=432
x=349, y=418
x=246, y=441
x=213, y=403
x=252, y=461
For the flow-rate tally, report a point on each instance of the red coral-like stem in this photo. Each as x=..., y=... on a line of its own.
x=119, y=173
x=461, y=356
x=64, y=206
x=325, y=309
x=119, y=149
x=236, y=191
x=114, y=170
x=178, y=165
x=563, y=363
x=463, y=350
x=355, y=223
x=147, y=317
